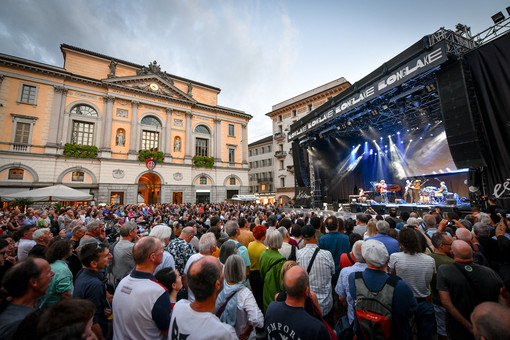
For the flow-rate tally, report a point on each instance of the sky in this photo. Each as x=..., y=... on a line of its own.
x=259, y=53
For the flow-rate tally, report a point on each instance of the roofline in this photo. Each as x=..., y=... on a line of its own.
x=308, y=94
x=103, y=56
x=262, y=141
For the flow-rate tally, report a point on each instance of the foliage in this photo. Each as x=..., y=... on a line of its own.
x=144, y=155
x=201, y=161
x=57, y=206
x=21, y=203
x=80, y=151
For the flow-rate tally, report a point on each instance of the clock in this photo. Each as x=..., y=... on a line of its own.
x=154, y=87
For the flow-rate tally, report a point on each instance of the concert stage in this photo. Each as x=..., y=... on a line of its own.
x=383, y=209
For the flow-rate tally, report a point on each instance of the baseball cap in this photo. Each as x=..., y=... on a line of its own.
x=308, y=231
x=375, y=253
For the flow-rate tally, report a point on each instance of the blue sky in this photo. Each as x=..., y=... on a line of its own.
x=259, y=53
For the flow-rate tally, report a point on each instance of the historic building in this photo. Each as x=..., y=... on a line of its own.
x=261, y=158
x=283, y=115
x=94, y=123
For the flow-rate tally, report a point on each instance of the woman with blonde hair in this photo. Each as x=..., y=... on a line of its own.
x=371, y=229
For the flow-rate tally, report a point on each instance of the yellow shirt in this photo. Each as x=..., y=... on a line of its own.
x=254, y=250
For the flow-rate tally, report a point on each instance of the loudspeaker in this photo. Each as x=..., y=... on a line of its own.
x=451, y=202
x=400, y=201
x=296, y=158
x=474, y=178
x=460, y=116
x=380, y=209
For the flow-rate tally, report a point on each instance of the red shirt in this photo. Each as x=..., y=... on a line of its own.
x=344, y=260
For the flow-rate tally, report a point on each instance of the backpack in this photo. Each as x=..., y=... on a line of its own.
x=374, y=309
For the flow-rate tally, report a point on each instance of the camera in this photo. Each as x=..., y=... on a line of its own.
x=450, y=223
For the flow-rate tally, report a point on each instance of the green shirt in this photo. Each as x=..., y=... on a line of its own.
x=440, y=260
x=61, y=282
x=271, y=276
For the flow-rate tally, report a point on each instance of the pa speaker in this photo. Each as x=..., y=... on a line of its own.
x=451, y=202
x=460, y=116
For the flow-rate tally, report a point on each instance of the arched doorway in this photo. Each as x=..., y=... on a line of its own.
x=149, y=189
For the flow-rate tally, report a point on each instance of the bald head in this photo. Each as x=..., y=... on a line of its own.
x=204, y=278
x=462, y=250
x=144, y=248
x=490, y=320
x=463, y=234
x=295, y=282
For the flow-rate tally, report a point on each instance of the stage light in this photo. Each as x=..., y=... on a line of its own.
x=373, y=141
x=381, y=138
x=421, y=137
x=338, y=127
x=508, y=10
x=410, y=140
x=431, y=135
x=384, y=107
x=408, y=130
x=402, y=142
x=398, y=132
x=349, y=123
x=374, y=112
x=389, y=136
x=498, y=17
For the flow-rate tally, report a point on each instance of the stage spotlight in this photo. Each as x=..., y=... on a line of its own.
x=508, y=10
x=421, y=137
x=402, y=142
x=384, y=107
x=410, y=141
x=407, y=130
x=498, y=17
x=398, y=132
x=338, y=127
x=381, y=138
x=430, y=87
x=374, y=112
x=389, y=136
x=349, y=123
x=431, y=135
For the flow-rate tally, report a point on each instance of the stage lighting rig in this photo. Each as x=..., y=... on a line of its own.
x=498, y=17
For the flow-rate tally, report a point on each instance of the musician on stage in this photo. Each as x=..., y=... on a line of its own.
x=361, y=194
x=408, y=193
x=442, y=190
x=383, y=189
x=416, y=191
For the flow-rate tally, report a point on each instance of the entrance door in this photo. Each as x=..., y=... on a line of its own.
x=203, y=197
x=177, y=198
x=149, y=187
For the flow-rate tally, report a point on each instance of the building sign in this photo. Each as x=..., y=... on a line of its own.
x=424, y=62
x=150, y=163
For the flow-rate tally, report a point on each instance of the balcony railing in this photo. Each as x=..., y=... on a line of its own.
x=279, y=135
x=265, y=180
x=280, y=153
x=19, y=147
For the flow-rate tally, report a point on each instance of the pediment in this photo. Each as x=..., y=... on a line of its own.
x=150, y=83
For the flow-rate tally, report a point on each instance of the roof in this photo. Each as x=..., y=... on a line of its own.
x=262, y=141
x=99, y=55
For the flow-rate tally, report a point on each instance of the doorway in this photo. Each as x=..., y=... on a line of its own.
x=177, y=198
x=149, y=188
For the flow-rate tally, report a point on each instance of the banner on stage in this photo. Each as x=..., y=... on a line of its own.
x=303, y=197
x=426, y=61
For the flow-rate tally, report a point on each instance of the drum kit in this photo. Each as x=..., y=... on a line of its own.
x=432, y=195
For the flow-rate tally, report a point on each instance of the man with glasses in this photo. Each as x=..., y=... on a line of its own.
x=141, y=306
x=89, y=284
x=442, y=243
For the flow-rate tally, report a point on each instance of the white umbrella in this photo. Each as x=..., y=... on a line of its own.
x=50, y=194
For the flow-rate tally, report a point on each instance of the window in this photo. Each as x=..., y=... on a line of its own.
x=78, y=176
x=269, y=148
x=232, y=181
x=249, y=153
x=280, y=118
x=281, y=165
x=83, y=133
x=150, y=140
x=310, y=107
x=28, y=94
x=282, y=182
x=232, y=156
x=150, y=121
x=281, y=147
x=231, y=130
x=256, y=152
x=22, y=133
x=280, y=128
x=84, y=110
x=201, y=148
x=202, y=129
x=269, y=162
x=16, y=174
x=203, y=180
x=294, y=113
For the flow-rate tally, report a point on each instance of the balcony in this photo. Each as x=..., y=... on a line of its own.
x=20, y=147
x=280, y=154
x=265, y=180
x=290, y=168
x=279, y=136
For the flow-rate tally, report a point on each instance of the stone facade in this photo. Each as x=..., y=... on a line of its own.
x=120, y=108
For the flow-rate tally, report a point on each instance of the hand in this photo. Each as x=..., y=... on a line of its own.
x=107, y=311
x=501, y=229
x=62, y=232
x=442, y=225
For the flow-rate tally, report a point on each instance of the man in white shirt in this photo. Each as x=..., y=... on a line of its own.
x=207, y=246
x=26, y=243
x=205, y=278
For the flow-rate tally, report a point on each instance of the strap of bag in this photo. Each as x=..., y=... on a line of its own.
x=275, y=263
x=350, y=258
x=224, y=305
x=292, y=255
x=313, y=259
x=468, y=278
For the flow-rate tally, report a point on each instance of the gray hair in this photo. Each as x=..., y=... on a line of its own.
x=92, y=226
x=161, y=232
x=463, y=234
x=356, y=251
x=231, y=228
x=413, y=221
x=235, y=269
x=481, y=229
x=126, y=228
x=39, y=233
x=188, y=231
x=227, y=249
x=429, y=220
x=76, y=229
x=483, y=218
x=207, y=241
x=274, y=239
x=283, y=231
x=382, y=227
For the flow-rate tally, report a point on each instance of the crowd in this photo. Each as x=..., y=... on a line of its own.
x=224, y=271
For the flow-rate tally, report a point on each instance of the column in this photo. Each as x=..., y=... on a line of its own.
x=244, y=145
x=56, y=116
x=189, y=134
x=217, y=141
x=107, y=122
x=133, y=149
x=167, y=138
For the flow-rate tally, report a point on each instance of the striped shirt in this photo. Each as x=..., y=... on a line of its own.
x=416, y=270
x=323, y=268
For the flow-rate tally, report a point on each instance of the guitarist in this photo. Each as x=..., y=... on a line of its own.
x=408, y=193
x=443, y=190
x=383, y=189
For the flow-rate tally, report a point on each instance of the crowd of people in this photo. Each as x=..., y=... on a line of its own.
x=225, y=271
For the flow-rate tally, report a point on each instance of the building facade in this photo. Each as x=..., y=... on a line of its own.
x=261, y=158
x=283, y=115
x=96, y=123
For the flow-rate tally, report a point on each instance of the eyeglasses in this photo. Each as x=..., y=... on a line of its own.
x=447, y=244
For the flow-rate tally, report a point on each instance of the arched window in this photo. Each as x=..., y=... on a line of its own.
x=202, y=140
x=84, y=110
x=151, y=127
